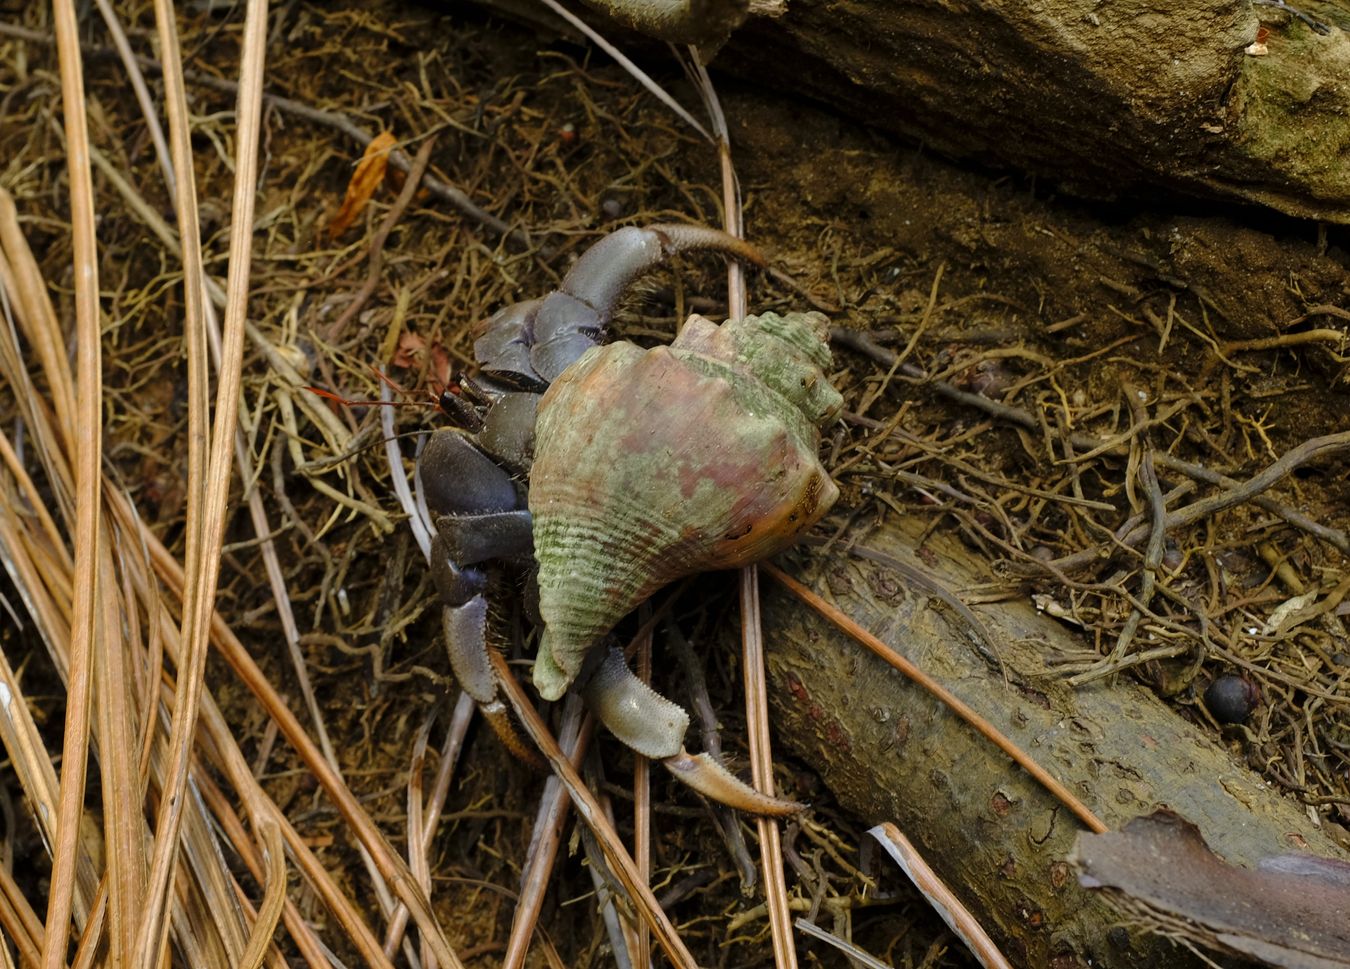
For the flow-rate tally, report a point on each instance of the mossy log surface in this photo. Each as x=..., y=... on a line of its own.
x=1126, y=96
x=891, y=752
x=1108, y=99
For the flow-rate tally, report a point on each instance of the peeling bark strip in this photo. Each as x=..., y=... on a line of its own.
x=892, y=753
x=1293, y=910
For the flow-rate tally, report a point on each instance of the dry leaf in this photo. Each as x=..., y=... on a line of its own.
x=367, y=177
x=1292, y=910
x=410, y=348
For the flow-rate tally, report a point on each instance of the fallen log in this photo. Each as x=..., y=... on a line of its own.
x=1108, y=99
x=1216, y=98
x=890, y=752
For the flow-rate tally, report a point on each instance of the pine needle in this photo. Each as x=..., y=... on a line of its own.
x=85, y=431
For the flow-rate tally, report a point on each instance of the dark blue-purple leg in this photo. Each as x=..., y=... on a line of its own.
x=504, y=350
x=479, y=515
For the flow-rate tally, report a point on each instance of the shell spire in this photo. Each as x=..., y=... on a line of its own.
x=651, y=465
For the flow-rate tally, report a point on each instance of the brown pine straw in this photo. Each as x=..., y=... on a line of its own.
x=590, y=811
x=641, y=948
x=390, y=865
x=761, y=768
x=546, y=836
x=19, y=920
x=455, y=732
x=198, y=314
x=752, y=637
x=274, y=898
x=955, y=914
x=205, y=519
x=86, y=432
x=955, y=703
x=305, y=939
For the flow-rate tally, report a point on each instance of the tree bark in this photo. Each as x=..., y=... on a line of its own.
x=1108, y=99
x=891, y=752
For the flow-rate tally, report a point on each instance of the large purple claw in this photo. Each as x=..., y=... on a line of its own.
x=607, y=269
x=458, y=479
x=528, y=344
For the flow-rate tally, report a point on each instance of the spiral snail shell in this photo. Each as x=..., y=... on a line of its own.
x=651, y=465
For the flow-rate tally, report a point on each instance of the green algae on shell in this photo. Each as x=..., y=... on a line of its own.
x=651, y=465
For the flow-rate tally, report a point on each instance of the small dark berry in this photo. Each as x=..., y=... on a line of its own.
x=1232, y=698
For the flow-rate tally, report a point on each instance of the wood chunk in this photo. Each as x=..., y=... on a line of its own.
x=892, y=753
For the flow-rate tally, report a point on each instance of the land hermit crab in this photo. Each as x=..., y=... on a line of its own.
x=644, y=466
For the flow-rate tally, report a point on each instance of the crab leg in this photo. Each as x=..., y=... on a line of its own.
x=653, y=726
x=466, y=491
x=528, y=344
x=607, y=269
x=470, y=539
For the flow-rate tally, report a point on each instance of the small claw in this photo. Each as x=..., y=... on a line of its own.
x=455, y=585
x=704, y=774
x=465, y=629
x=504, y=350
x=508, y=430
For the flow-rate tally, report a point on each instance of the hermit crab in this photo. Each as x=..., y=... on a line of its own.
x=643, y=466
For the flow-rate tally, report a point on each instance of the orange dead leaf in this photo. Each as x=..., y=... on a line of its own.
x=368, y=175
x=410, y=347
x=412, y=350
x=440, y=364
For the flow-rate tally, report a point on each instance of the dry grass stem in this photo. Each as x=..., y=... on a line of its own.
x=620, y=862
x=761, y=763
x=956, y=915
x=84, y=432
x=546, y=836
x=642, y=810
x=638, y=73
x=752, y=640
x=210, y=479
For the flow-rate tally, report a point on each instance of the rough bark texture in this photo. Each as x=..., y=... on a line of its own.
x=890, y=752
x=1129, y=96
x=1102, y=96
